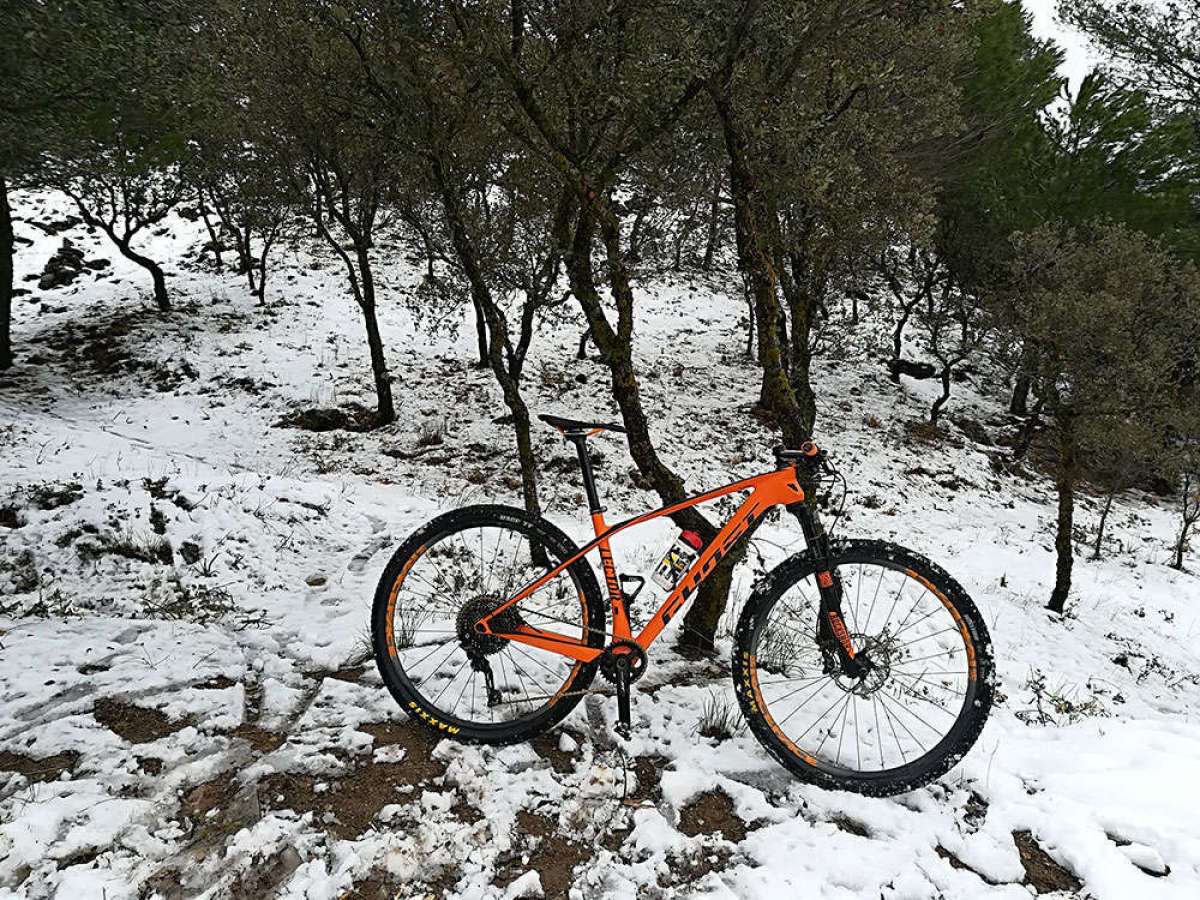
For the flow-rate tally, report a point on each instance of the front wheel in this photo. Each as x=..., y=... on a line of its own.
x=918, y=702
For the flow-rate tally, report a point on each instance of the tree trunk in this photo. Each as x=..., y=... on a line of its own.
x=936, y=412
x=1190, y=513
x=856, y=297
x=617, y=352
x=1019, y=404
x=1063, y=543
x=383, y=382
x=749, y=324
x=156, y=273
x=898, y=342
x=481, y=334
x=1108, y=502
x=212, y=232
x=801, y=313
x=714, y=226
x=776, y=397
x=494, y=342
x=7, y=247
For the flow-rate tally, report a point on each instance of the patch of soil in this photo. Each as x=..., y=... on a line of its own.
x=10, y=517
x=687, y=869
x=217, y=683
x=552, y=856
x=369, y=889
x=418, y=763
x=48, y=768
x=546, y=745
x=262, y=879
x=260, y=739
x=649, y=771
x=350, y=802
x=956, y=863
x=135, y=724
x=352, y=417
x=850, y=826
x=466, y=812
x=209, y=806
x=712, y=812
x=151, y=765
x=350, y=673
x=80, y=857
x=1042, y=873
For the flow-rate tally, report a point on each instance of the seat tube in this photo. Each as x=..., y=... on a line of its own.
x=585, y=468
x=620, y=616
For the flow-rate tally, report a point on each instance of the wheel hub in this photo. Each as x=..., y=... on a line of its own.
x=875, y=654
x=476, y=644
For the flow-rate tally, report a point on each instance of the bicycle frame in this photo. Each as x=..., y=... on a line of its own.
x=780, y=487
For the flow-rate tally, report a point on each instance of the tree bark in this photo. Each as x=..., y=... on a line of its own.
x=7, y=247
x=494, y=340
x=714, y=226
x=776, y=397
x=936, y=412
x=212, y=232
x=481, y=334
x=383, y=381
x=1190, y=513
x=1019, y=404
x=161, y=299
x=1108, y=502
x=1063, y=543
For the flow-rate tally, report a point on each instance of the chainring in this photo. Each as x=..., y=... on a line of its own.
x=629, y=650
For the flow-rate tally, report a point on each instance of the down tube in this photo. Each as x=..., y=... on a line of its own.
x=774, y=489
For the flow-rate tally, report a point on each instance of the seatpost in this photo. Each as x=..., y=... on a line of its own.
x=585, y=466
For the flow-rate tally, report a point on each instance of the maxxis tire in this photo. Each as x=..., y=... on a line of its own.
x=560, y=547
x=962, y=734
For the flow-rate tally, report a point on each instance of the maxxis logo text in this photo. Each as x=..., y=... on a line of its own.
x=426, y=717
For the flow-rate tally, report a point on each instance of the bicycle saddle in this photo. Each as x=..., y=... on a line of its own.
x=566, y=425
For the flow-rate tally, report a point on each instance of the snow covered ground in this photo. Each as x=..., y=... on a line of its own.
x=187, y=707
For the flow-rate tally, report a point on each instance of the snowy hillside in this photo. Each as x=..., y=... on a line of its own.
x=187, y=703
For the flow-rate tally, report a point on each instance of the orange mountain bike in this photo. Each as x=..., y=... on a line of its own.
x=859, y=665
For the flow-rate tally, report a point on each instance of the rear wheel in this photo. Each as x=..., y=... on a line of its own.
x=441, y=581
x=915, y=709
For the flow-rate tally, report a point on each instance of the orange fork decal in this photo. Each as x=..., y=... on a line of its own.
x=840, y=632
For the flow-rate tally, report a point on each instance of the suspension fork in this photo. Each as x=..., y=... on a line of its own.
x=831, y=627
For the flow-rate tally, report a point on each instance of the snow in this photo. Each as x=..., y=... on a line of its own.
x=242, y=639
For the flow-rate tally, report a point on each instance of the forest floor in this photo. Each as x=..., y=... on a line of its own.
x=187, y=703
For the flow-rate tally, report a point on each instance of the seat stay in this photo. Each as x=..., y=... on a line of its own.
x=767, y=490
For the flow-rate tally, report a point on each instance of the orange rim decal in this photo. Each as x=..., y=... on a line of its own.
x=391, y=607
x=958, y=620
x=756, y=697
